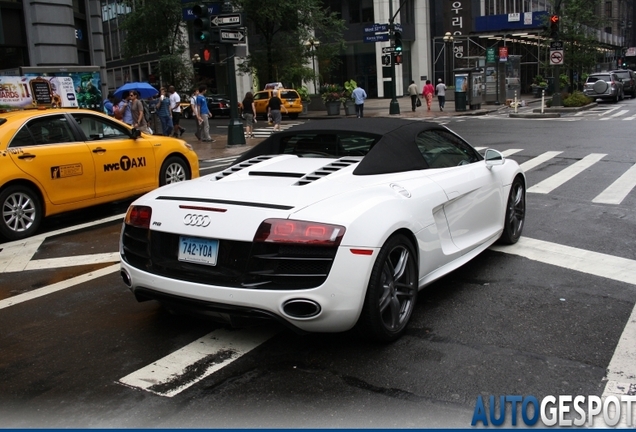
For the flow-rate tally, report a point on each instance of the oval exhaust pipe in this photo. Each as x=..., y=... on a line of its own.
x=301, y=308
x=126, y=278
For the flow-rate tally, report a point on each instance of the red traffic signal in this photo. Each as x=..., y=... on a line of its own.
x=554, y=26
x=554, y=19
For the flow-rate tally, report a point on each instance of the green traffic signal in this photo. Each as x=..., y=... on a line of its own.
x=397, y=41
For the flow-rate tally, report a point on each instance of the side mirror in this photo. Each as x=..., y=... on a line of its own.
x=493, y=157
x=134, y=133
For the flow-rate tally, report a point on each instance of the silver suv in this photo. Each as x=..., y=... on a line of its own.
x=628, y=77
x=606, y=85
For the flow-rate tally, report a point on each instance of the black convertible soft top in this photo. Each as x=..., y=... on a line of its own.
x=395, y=151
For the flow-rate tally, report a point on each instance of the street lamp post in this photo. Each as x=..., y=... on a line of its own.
x=311, y=45
x=448, y=43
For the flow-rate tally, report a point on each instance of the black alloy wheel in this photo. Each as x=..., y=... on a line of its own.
x=515, y=213
x=392, y=291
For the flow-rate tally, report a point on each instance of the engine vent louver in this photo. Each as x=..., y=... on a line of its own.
x=245, y=164
x=328, y=169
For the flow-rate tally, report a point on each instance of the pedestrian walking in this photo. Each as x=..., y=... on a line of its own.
x=359, y=95
x=413, y=92
x=124, y=108
x=137, y=109
x=203, y=114
x=273, y=110
x=249, y=114
x=427, y=94
x=163, y=112
x=440, y=90
x=109, y=105
x=175, y=110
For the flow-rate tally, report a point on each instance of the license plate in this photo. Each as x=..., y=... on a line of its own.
x=198, y=250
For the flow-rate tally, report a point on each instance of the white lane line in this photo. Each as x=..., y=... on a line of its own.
x=553, y=182
x=584, y=261
x=225, y=159
x=617, y=191
x=73, y=261
x=621, y=372
x=510, y=152
x=618, y=114
x=181, y=369
x=59, y=286
x=542, y=158
x=608, y=111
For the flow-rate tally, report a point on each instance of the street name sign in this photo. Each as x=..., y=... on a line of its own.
x=230, y=20
x=232, y=35
x=383, y=37
x=389, y=49
x=397, y=27
x=377, y=28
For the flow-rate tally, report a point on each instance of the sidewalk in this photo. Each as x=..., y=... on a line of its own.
x=372, y=108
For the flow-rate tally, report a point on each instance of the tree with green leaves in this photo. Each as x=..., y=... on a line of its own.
x=278, y=31
x=579, y=22
x=155, y=27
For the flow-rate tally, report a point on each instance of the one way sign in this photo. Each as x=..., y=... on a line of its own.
x=232, y=36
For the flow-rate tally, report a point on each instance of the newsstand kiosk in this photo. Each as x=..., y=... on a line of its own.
x=470, y=88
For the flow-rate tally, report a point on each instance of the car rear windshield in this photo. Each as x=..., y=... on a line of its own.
x=595, y=78
x=328, y=144
x=623, y=74
x=288, y=94
x=3, y=121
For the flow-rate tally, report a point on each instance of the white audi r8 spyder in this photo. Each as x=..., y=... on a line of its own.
x=324, y=227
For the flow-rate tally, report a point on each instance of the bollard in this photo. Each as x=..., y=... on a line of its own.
x=542, y=100
x=516, y=102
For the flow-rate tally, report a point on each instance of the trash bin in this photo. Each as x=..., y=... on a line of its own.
x=460, y=101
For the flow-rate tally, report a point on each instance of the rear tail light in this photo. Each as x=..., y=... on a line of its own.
x=139, y=216
x=299, y=232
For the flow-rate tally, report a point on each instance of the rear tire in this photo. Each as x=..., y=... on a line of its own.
x=392, y=291
x=174, y=170
x=515, y=213
x=21, y=210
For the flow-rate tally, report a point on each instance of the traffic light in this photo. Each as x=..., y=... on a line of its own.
x=206, y=55
x=201, y=23
x=386, y=60
x=554, y=26
x=398, y=59
x=397, y=41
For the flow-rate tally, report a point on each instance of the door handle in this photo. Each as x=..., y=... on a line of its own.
x=26, y=156
x=99, y=150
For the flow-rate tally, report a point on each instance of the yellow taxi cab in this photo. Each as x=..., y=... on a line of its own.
x=290, y=98
x=57, y=160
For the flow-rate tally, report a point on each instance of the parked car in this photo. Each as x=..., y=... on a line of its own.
x=218, y=106
x=290, y=98
x=606, y=85
x=53, y=161
x=325, y=226
x=628, y=77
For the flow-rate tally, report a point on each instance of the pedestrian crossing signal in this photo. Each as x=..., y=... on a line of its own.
x=386, y=60
x=398, y=59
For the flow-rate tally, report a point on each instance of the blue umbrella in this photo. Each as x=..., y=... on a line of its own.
x=145, y=90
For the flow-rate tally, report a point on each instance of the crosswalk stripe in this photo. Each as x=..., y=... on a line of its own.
x=630, y=118
x=542, y=158
x=553, y=182
x=181, y=369
x=608, y=111
x=618, y=114
x=510, y=152
x=617, y=191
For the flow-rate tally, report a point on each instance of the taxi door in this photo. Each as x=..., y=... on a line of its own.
x=261, y=99
x=46, y=149
x=122, y=164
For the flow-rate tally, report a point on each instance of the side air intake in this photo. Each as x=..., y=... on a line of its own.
x=327, y=169
x=245, y=164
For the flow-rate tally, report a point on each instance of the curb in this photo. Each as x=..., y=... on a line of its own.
x=535, y=115
x=566, y=109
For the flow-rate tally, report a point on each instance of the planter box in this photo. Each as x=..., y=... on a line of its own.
x=450, y=95
x=333, y=108
x=350, y=107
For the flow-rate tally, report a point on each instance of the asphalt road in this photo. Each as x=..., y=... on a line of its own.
x=544, y=318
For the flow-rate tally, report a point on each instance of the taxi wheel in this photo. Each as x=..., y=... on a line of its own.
x=21, y=212
x=173, y=170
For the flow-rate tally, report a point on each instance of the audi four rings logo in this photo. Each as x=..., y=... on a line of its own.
x=196, y=220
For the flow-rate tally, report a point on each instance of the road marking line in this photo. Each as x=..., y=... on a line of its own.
x=618, y=114
x=510, y=152
x=617, y=191
x=17, y=255
x=553, y=182
x=608, y=111
x=589, y=262
x=181, y=369
x=542, y=158
x=78, y=260
x=59, y=286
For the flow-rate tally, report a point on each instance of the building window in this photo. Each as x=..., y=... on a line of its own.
x=367, y=11
x=608, y=30
x=608, y=9
x=354, y=11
